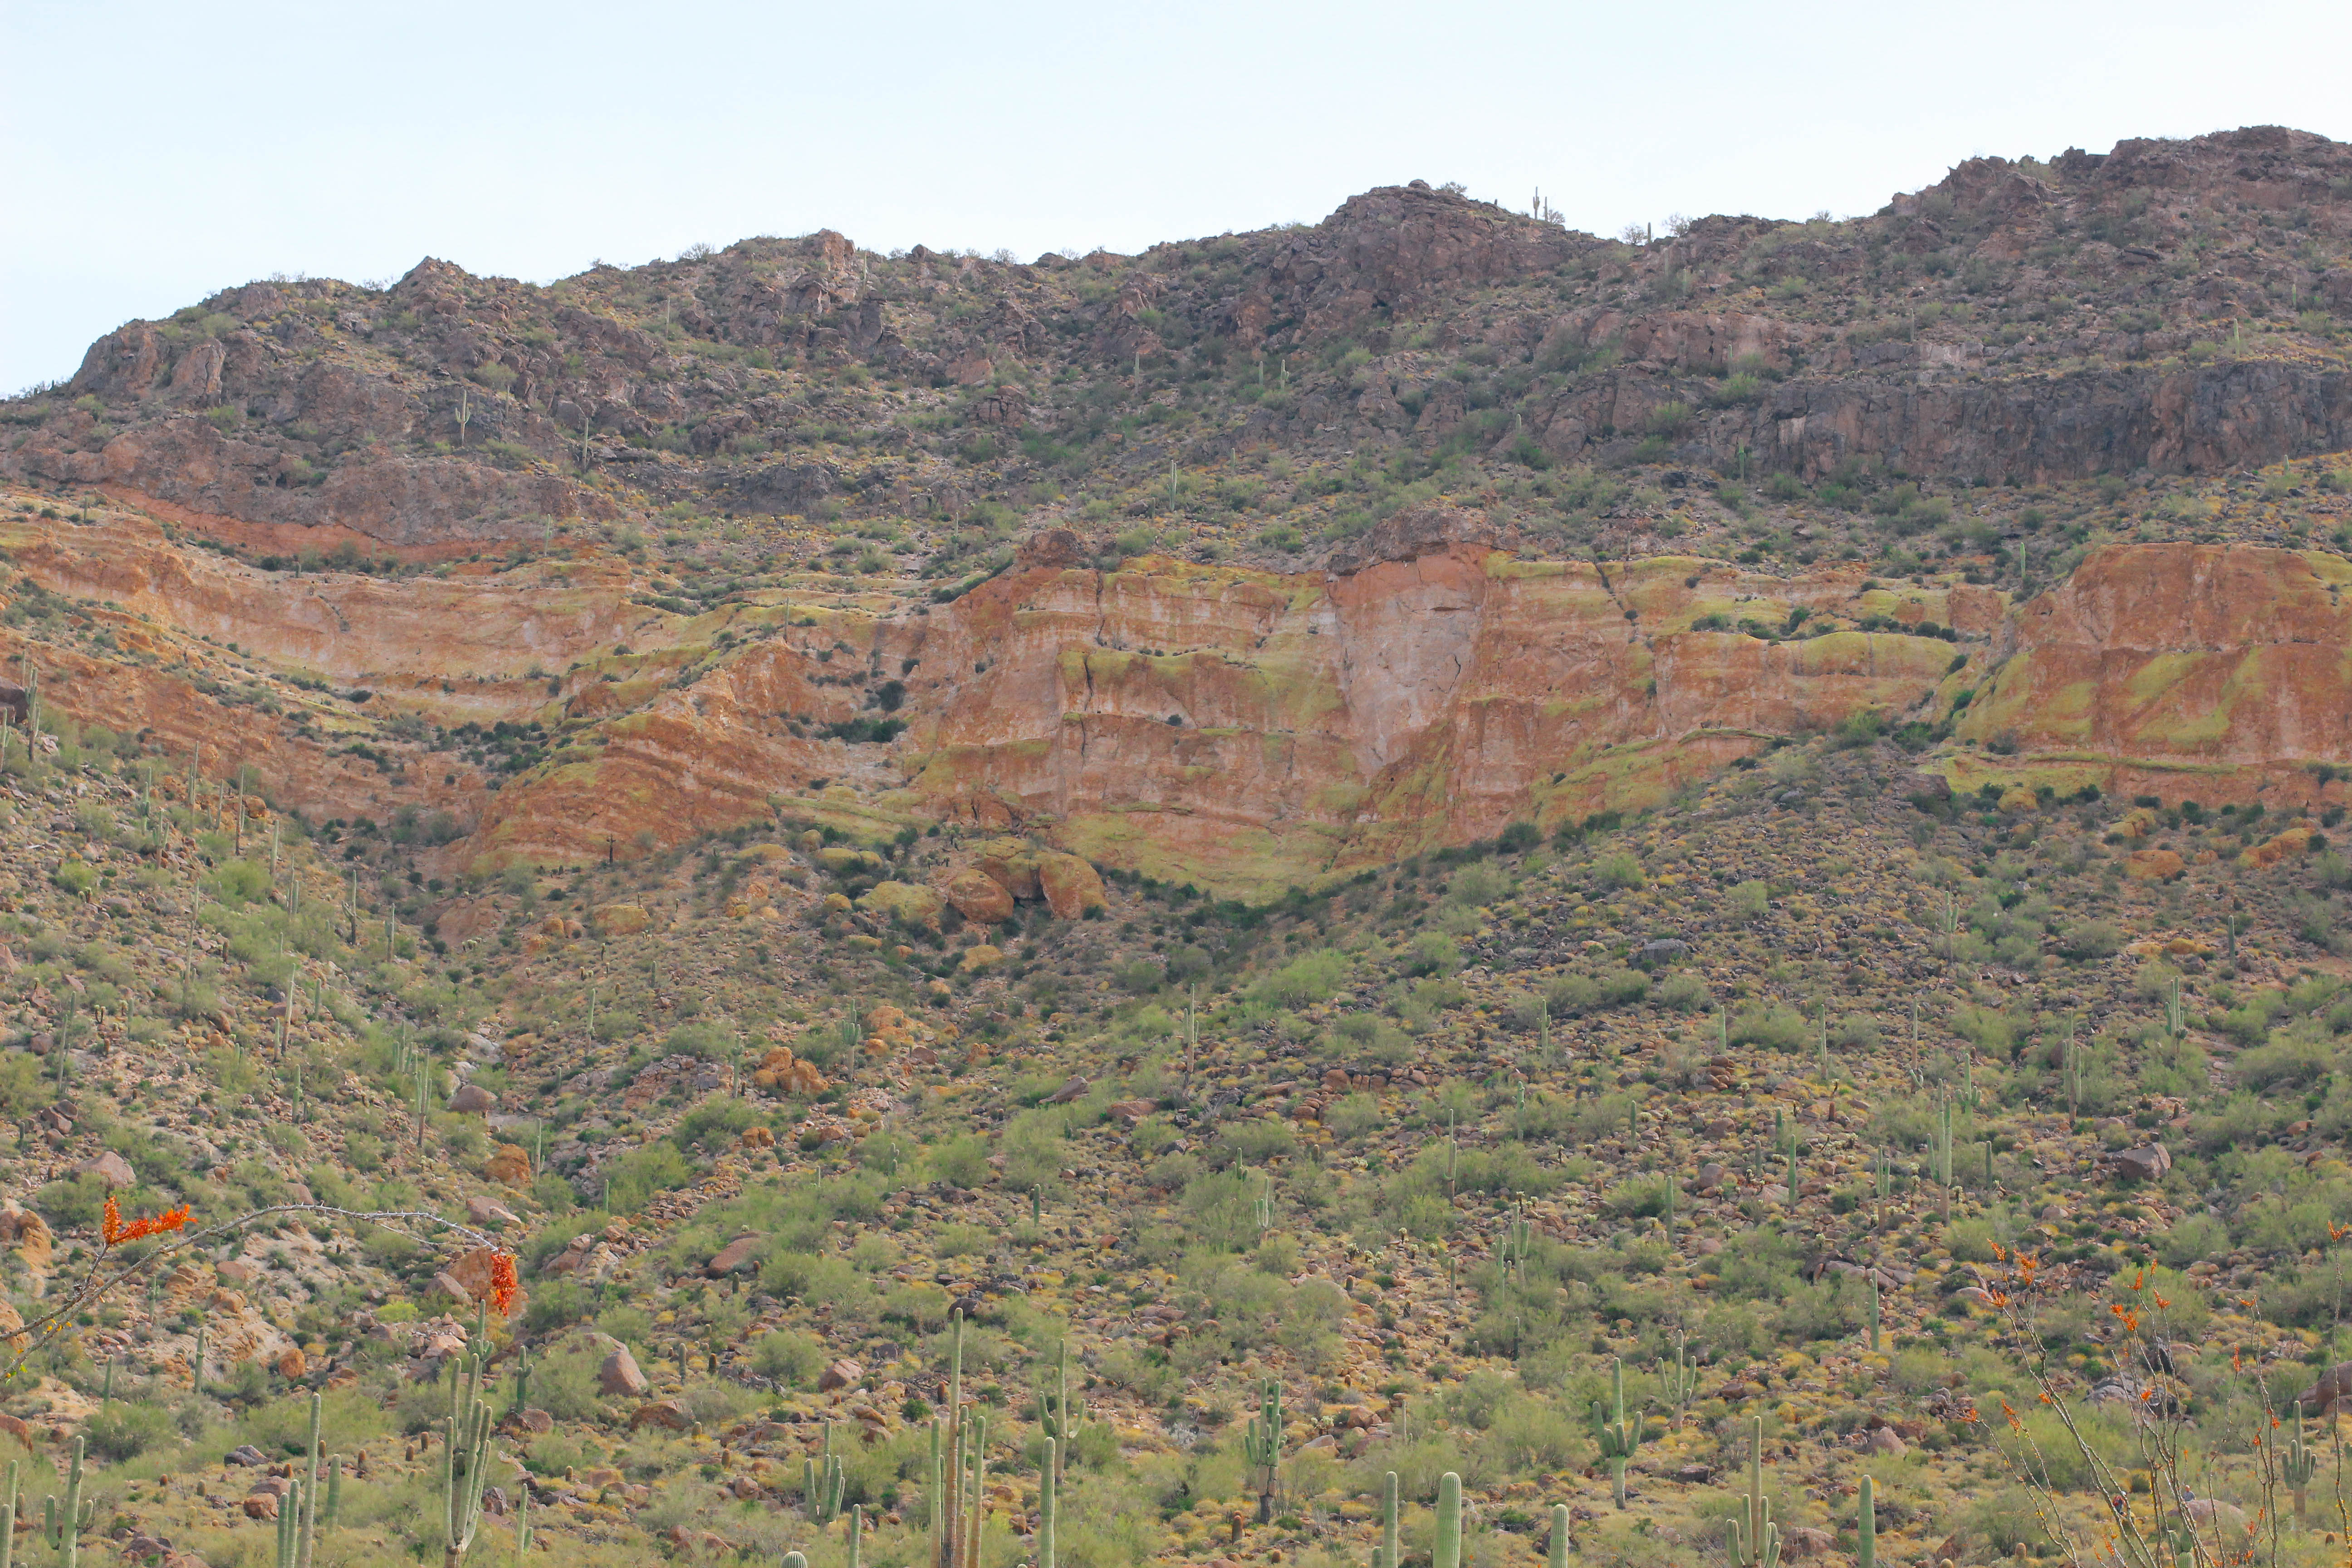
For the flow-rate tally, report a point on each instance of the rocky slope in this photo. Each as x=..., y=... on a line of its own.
x=1414, y=807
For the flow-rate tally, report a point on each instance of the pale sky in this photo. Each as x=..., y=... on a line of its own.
x=154, y=153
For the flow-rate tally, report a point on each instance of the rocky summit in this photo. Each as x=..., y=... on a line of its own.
x=1422, y=888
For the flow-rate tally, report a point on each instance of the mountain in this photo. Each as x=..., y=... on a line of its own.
x=1412, y=806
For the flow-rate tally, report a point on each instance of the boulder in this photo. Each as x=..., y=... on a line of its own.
x=1072, y=1089
x=1662, y=950
x=111, y=1168
x=977, y=896
x=2334, y=1384
x=1803, y=1543
x=737, y=1257
x=1884, y=1440
x=667, y=1414
x=2154, y=865
x=2145, y=1163
x=841, y=1374
x=1011, y=865
x=489, y=1213
x=1071, y=886
x=619, y=1376
x=621, y=920
x=1128, y=1112
x=980, y=956
x=908, y=903
x=471, y=1278
x=293, y=1367
x=509, y=1166
x=473, y=1099
x=757, y=1137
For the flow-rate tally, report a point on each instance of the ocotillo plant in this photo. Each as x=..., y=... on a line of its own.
x=1866, y=1528
x=1262, y=1446
x=2297, y=1467
x=1448, y=1552
x=1755, y=1538
x=1617, y=1435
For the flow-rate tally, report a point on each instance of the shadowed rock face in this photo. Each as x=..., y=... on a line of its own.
x=2100, y=324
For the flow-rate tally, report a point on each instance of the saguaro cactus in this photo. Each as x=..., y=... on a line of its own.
x=1558, y=1556
x=1061, y=1416
x=1618, y=1436
x=1866, y=1528
x=1755, y=1538
x=310, y=1527
x=1448, y=1552
x=468, y=1447
x=1046, y=1469
x=2297, y=1467
x=1262, y=1446
x=1873, y=1276
x=64, y=1525
x=1389, y=1520
x=1680, y=1378
x=822, y=1482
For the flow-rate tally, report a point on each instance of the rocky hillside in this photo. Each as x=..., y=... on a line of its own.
x=1427, y=808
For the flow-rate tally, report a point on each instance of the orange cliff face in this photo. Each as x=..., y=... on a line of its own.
x=1245, y=730
x=2215, y=672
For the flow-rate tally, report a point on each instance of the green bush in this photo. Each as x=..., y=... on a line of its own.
x=1306, y=980
x=639, y=1176
x=23, y=1087
x=124, y=1430
x=959, y=1161
x=1773, y=1026
x=790, y=1357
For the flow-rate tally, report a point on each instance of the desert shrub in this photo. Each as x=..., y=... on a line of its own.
x=1313, y=977
x=124, y=1429
x=959, y=1161
x=1685, y=993
x=790, y=1356
x=1773, y=1026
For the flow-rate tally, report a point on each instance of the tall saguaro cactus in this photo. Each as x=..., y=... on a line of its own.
x=469, y=1443
x=1061, y=1416
x=1558, y=1556
x=1865, y=1528
x=1389, y=1520
x=1618, y=1435
x=1046, y=1502
x=1755, y=1538
x=1448, y=1552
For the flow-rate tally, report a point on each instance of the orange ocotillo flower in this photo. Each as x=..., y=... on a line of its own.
x=115, y=1232
x=503, y=1284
